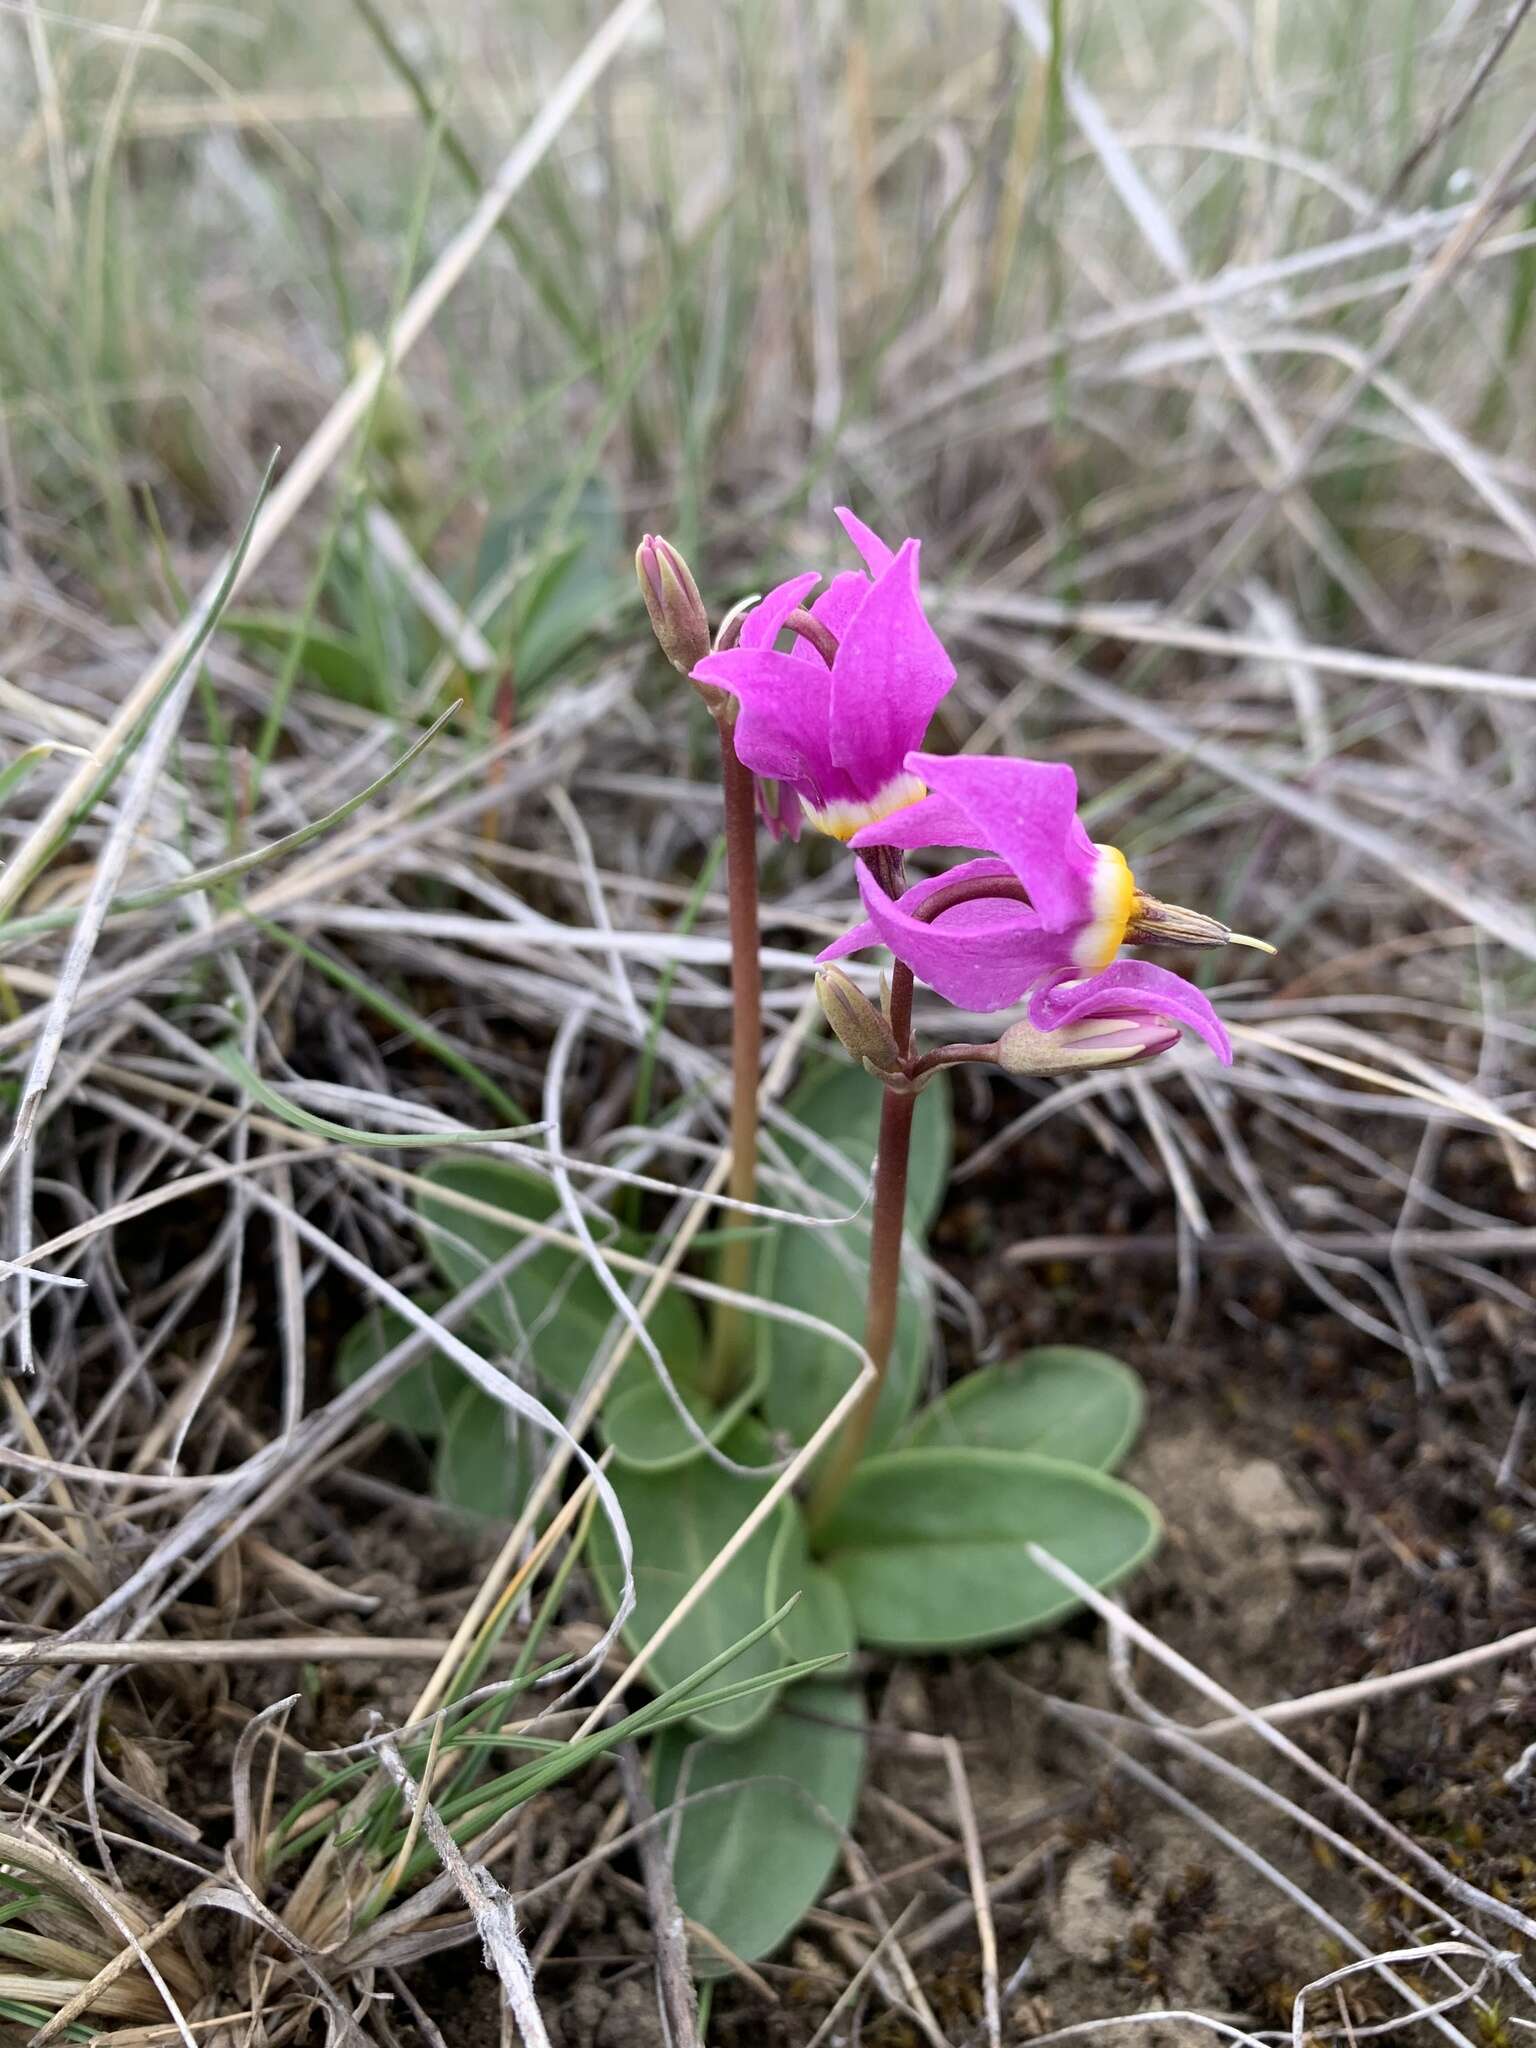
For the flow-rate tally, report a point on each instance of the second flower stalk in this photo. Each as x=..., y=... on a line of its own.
x=681, y=625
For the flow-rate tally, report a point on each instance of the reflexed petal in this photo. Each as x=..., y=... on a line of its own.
x=854, y=940
x=866, y=934
x=1131, y=988
x=1024, y=811
x=781, y=725
x=877, y=556
x=891, y=670
x=981, y=956
x=763, y=624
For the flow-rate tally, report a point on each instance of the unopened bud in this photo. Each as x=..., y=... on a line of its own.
x=858, y=1025
x=1170, y=924
x=1081, y=1047
x=678, y=617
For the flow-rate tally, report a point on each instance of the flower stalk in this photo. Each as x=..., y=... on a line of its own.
x=729, y=1333
x=893, y=1152
x=681, y=625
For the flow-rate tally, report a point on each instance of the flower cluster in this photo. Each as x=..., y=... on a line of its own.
x=833, y=725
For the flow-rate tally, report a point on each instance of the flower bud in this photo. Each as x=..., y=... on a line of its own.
x=1079, y=1048
x=857, y=1024
x=672, y=598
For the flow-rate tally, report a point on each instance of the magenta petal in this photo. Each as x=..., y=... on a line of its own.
x=912, y=899
x=763, y=624
x=835, y=609
x=779, y=808
x=1025, y=811
x=931, y=821
x=981, y=955
x=891, y=670
x=987, y=869
x=781, y=725
x=877, y=556
x=854, y=940
x=1132, y=989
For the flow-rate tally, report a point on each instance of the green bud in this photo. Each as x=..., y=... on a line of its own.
x=1079, y=1048
x=678, y=617
x=858, y=1025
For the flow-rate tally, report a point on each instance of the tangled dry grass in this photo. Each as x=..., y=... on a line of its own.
x=1196, y=346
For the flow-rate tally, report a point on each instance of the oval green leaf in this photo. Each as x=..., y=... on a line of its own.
x=840, y=1103
x=481, y=1465
x=1060, y=1401
x=641, y=1425
x=679, y=1522
x=420, y=1399
x=750, y=1864
x=931, y=1546
x=805, y=1374
x=552, y=1308
x=820, y=1624
x=824, y=1271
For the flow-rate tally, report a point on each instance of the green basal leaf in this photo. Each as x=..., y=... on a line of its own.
x=1060, y=1401
x=841, y=1105
x=806, y=1374
x=419, y=1400
x=553, y=1307
x=750, y=1864
x=645, y=1431
x=824, y=1271
x=484, y=1458
x=820, y=1624
x=679, y=1521
x=576, y=577
x=931, y=1546
x=339, y=662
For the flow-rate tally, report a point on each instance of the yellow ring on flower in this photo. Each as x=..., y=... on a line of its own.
x=842, y=819
x=1113, y=896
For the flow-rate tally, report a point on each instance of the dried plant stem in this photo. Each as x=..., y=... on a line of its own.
x=730, y=1329
x=890, y=1207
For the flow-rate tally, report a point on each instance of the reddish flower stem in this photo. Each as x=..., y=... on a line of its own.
x=891, y=1159
x=729, y=1335
x=890, y=1208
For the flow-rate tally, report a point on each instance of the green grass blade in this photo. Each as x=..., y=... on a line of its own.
x=239, y=1069
x=226, y=871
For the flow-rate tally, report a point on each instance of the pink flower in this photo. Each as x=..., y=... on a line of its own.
x=779, y=808
x=1146, y=1001
x=1080, y=902
x=835, y=739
